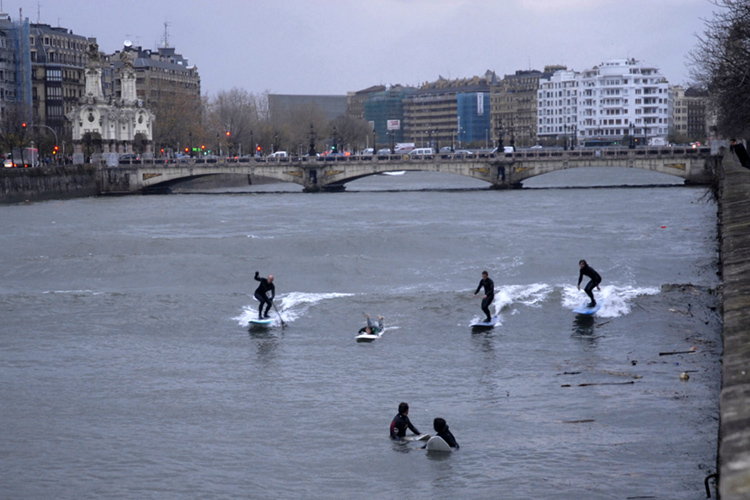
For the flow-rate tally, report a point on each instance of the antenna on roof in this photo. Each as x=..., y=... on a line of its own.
x=166, y=34
x=38, y=12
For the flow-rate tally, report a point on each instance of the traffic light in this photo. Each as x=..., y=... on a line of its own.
x=228, y=133
x=23, y=124
x=257, y=149
x=187, y=150
x=55, y=150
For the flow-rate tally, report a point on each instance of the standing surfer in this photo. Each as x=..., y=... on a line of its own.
x=261, y=293
x=489, y=294
x=587, y=270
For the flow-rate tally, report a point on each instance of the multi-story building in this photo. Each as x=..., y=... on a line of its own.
x=355, y=101
x=160, y=76
x=450, y=112
x=557, y=107
x=58, y=61
x=15, y=68
x=385, y=110
x=619, y=99
x=678, y=114
x=697, y=127
x=514, y=107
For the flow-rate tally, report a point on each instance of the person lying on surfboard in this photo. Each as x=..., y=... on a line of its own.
x=489, y=294
x=371, y=329
x=587, y=270
x=442, y=430
x=261, y=293
x=401, y=422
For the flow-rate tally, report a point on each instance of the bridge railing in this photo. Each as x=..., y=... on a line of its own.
x=536, y=154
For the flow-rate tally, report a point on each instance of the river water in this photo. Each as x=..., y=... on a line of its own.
x=128, y=369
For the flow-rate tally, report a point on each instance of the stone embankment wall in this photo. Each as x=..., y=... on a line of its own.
x=18, y=185
x=734, y=400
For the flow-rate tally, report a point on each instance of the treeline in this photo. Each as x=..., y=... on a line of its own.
x=721, y=66
x=235, y=122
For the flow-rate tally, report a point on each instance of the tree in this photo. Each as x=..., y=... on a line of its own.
x=351, y=132
x=13, y=134
x=177, y=116
x=721, y=66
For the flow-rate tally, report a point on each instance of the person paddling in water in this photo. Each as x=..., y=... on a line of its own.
x=261, y=293
x=489, y=294
x=372, y=329
x=587, y=270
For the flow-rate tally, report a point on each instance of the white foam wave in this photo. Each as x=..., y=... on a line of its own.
x=530, y=295
x=616, y=300
x=290, y=307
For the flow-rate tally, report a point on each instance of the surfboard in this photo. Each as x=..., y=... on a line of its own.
x=367, y=337
x=421, y=437
x=588, y=310
x=261, y=321
x=436, y=443
x=482, y=324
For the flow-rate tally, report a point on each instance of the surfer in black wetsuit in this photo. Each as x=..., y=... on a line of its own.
x=587, y=270
x=261, y=293
x=442, y=430
x=401, y=422
x=372, y=329
x=489, y=294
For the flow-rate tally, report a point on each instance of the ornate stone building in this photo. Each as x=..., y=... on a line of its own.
x=105, y=125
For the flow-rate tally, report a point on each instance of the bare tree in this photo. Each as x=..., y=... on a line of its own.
x=351, y=132
x=720, y=64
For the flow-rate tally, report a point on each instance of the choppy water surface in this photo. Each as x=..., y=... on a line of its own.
x=128, y=369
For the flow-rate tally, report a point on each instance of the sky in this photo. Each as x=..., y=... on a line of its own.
x=331, y=47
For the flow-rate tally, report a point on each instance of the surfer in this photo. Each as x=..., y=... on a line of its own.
x=371, y=329
x=489, y=294
x=587, y=270
x=401, y=422
x=261, y=293
x=442, y=430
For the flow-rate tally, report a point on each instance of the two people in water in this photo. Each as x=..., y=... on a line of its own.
x=401, y=423
x=262, y=294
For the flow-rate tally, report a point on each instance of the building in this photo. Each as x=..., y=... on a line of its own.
x=697, y=126
x=452, y=113
x=385, y=111
x=514, y=107
x=15, y=68
x=355, y=101
x=617, y=100
x=58, y=61
x=557, y=107
x=332, y=106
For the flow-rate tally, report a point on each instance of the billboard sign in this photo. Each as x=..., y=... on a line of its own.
x=394, y=124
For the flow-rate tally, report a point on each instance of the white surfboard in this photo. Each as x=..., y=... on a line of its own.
x=421, y=437
x=436, y=443
x=588, y=310
x=367, y=337
x=483, y=324
x=261, y=321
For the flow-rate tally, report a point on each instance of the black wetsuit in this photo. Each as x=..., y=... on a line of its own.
x=447, y=436
x=261, y=293
x=595, y=280
x=741, y=152
x=399, y=425
x=489, y=291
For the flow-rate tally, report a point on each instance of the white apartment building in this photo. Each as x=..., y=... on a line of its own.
x=557, y=106
x=605, y=104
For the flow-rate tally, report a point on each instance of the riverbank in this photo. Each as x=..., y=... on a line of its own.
x=18, y=185
x=734, y=400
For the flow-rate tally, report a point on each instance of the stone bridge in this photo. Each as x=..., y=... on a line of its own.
x=331, y=173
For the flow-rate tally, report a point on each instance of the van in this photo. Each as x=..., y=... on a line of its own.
x=422, y=151
x=278, y=154
x=403, y=147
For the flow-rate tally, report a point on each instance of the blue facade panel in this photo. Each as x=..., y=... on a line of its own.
x=473, y=117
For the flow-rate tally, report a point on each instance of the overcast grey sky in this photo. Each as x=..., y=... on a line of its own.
x=331, y=47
